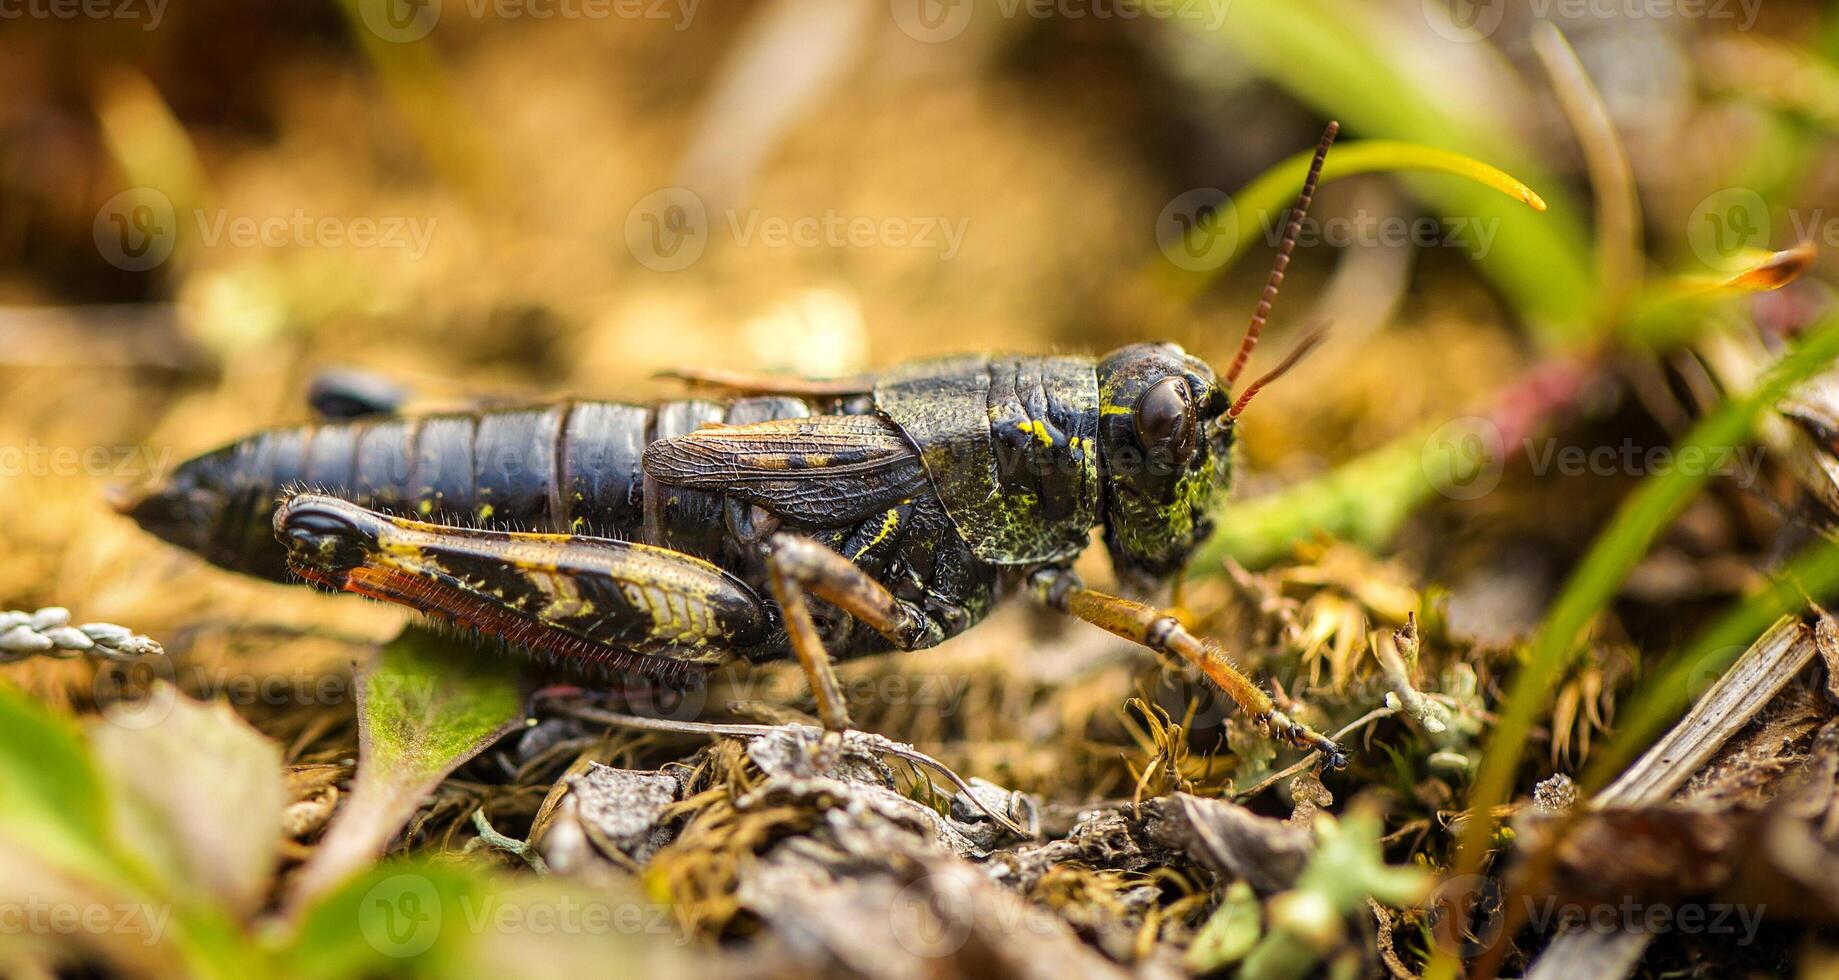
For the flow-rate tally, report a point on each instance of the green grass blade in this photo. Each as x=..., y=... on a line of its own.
x=50, y=794
x=1611, y=558
x=1364, y=501
x=1318, y=52
x=1261, y=207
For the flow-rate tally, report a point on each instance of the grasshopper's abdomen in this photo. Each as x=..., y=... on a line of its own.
x=571, y=467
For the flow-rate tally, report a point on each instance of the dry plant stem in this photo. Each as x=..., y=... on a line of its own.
x=1426, y=712
x=1618, y=210
x=343, y=855
x=879, y=743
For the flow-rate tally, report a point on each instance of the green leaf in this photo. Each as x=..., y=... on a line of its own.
x=1229, y=933
x=424, y=708
x=56, y=846
x=197, y=796
x=391, y=919
x=51, y=799
x=423, y=918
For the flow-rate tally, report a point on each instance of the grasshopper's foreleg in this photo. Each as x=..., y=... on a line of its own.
x=797, y=566
x=1158, y=630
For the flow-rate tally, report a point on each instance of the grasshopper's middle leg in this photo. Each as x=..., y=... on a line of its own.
x=798, y=565
x=1145, y=624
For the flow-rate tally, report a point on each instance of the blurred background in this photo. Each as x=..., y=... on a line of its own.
x=203, y=205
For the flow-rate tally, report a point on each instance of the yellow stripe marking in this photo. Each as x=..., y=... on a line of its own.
x=889, y=522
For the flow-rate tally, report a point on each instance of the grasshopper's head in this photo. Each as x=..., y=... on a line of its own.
x=1166, y=429
x=1166, y=447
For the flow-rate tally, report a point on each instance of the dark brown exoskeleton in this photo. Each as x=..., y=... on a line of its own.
x=666, y=538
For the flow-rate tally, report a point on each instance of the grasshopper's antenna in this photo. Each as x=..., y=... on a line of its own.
x=1301, y=350
x=1283, y=257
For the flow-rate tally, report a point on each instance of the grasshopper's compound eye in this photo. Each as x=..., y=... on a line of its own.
x=1165, y=422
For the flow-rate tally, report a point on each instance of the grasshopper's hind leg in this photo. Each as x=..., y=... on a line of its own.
x=343, y=394
x=797, y=566
x=1163, y=633
x=581, y=600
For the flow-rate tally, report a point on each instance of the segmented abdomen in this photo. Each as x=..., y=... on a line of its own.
x=570, y=466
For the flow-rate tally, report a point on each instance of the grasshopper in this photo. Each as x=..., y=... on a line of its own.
x=822, y=519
